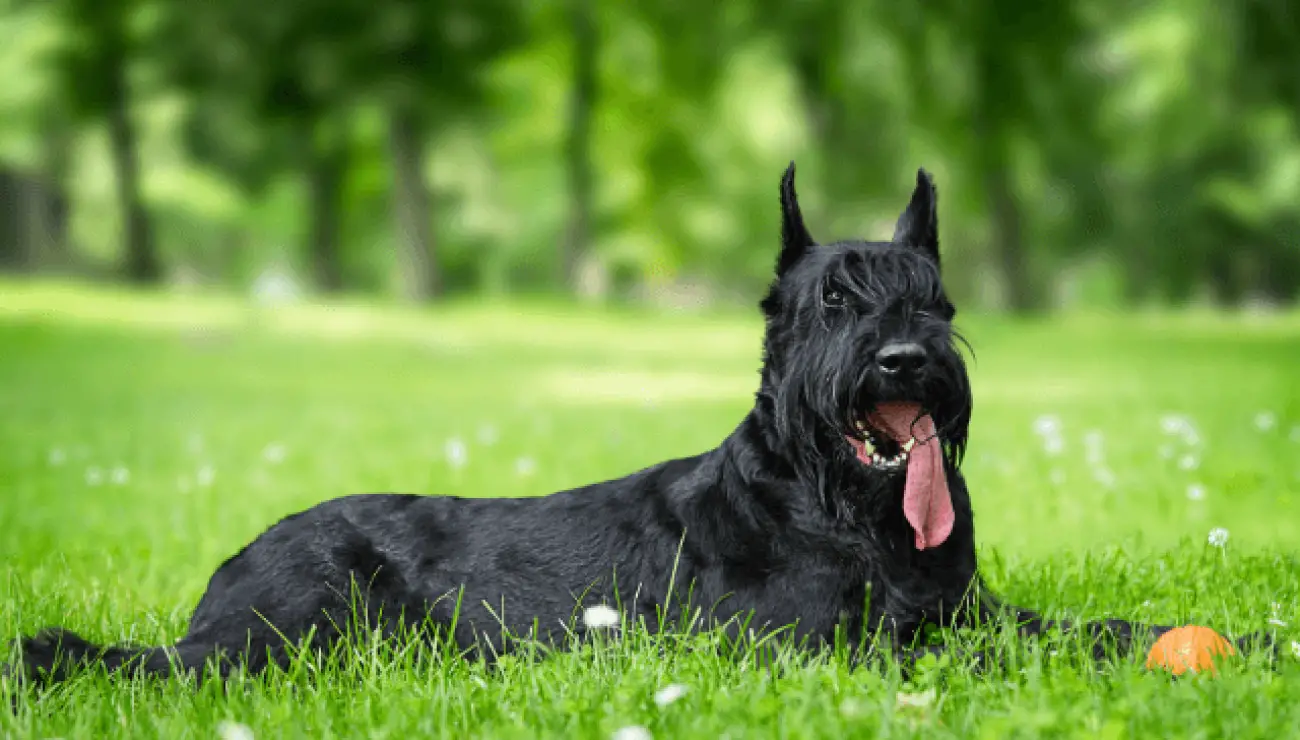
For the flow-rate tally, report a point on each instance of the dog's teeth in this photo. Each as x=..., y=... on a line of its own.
x=909, y=444
x=860, y=426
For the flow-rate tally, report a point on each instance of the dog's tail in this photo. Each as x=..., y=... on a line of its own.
x=54, y=654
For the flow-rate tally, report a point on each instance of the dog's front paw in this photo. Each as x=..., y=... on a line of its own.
x=1259, y=643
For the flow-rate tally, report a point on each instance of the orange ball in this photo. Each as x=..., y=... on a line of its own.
x=1188, y=648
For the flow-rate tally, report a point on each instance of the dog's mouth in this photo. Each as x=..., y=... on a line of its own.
x=901, y=436
x=877, y=448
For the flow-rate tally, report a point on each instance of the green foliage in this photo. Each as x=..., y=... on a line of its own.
x=206, y=419
x=1155, y=143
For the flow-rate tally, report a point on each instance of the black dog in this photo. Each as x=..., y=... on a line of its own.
x=836, y=505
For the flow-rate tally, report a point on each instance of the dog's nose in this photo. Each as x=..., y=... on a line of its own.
x=901, y=359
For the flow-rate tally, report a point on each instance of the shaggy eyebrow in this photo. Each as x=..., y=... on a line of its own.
x=878, y=274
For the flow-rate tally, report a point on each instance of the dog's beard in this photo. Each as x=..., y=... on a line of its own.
x=832, y=422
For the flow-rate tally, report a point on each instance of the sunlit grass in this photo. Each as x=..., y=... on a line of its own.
x=144, y=439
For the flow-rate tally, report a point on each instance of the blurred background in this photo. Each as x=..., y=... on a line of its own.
x=254, y=255
x=1089, y=153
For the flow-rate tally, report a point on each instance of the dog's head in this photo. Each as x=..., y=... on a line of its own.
x=861, y=360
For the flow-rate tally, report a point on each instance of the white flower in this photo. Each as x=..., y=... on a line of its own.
x=94, y=476
x=57, y=456
x=852, y=708
x=525, y=466
x=206, y=475
x=1092, y=446
x=276, y=286
x=669, y=694
x=1196, y=492
x=234, y=731
x=1218, y=537
x=274, y=453
x=600, y=617
x=1049, y=428
x=632, y=732
x=1295, y=649
x=121, y=475
x=1047, y=425
x=1265, y=420
x=1189, y=462
x=1182, y=426
x=1275, y=616
x=457, y=453
x=921, y=699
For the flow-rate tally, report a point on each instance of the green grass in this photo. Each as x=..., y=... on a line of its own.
x=144, y=439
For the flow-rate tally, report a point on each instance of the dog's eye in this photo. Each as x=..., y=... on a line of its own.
x=832, y=298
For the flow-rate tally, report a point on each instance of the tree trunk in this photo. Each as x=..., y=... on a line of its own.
x=326, y=165
x=142, y=264
x=13, y=248
x=1008, y=242
x=417, y=260
x=992, y=144
x=582, y=103
x=54, y=204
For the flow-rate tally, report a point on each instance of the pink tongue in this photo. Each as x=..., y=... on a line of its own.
x=926, y=501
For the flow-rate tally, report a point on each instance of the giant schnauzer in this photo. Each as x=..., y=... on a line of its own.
x=836, y=508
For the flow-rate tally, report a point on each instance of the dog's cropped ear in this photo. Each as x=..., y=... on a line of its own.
x=919, y=225
x=795, y=239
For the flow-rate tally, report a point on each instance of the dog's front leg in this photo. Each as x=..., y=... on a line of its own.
x=1102, y=635
x=1127, y=636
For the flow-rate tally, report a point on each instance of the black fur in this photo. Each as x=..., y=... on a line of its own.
x=779, y=523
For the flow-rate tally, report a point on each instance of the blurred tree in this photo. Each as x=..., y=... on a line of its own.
x=1269, y=44
x=1157, y=142
x=53, y=207
x=425, y=63
x=269, y=89
x=1008, y=58
x=300, y=72
x=1268, y=77
x=583, y=99
x=93, y=69
x=33, y=221
x=840, y=59
x=13, y=238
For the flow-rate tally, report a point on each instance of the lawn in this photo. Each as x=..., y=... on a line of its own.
x=143, y=439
